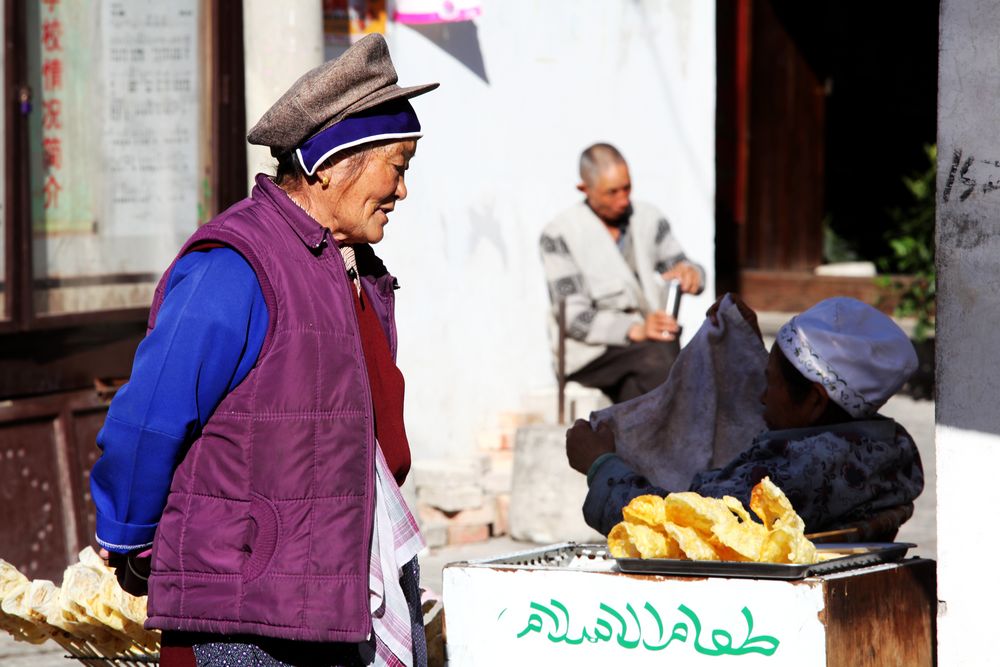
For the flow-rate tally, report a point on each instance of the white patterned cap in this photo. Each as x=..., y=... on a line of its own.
x=857, y=353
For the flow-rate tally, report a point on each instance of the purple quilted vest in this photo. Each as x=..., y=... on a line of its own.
x=267, y=528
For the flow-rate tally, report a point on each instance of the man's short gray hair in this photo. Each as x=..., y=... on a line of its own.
x=595, y=159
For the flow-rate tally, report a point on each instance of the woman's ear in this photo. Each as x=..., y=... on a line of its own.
x=816, y=403
x=323, y=174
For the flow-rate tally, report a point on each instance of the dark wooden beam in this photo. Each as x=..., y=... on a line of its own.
x=228, y=104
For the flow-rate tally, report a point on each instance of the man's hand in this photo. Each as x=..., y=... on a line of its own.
x=658, y=326
x=687, y=274
x=584, y=445
x=746, y=311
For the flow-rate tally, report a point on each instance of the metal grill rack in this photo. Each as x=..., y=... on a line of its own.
x=554, y=557
x=88, y=654
x=595, y=558
x=115, y=661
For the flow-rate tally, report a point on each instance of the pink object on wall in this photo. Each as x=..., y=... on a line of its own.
x=436, y=11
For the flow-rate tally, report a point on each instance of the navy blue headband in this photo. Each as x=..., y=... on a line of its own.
x=396, y=120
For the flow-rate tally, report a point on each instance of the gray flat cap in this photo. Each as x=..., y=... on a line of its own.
x=362, y=78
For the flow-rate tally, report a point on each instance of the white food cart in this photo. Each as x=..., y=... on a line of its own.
x=572, y=604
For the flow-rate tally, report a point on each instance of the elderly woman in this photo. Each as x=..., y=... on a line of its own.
x=259, y=445
x=838, y=461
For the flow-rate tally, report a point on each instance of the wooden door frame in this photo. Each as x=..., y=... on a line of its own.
x=733, y=23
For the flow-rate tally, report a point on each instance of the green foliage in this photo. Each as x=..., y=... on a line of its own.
x=911, y=242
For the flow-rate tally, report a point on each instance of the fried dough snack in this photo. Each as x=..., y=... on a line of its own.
x=89, y=615
x=689, y=526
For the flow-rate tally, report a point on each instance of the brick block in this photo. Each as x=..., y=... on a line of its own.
x=458, y=534
x=493, y=439
x=511, y=421
x=501, y=460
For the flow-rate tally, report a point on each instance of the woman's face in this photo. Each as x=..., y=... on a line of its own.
x=780, y=410
x=358, y=205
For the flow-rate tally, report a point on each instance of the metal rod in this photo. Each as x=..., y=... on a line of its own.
x=561, y=370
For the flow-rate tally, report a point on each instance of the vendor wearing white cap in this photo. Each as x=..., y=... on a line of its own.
x=840, y=463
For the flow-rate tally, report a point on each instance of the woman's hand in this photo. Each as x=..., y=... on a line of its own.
x=746, y=311
x=584, y=445
x=131, y=569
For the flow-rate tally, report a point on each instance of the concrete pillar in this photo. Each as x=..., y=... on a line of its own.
x=281, y=42
x=968, y=322
x=546, y=498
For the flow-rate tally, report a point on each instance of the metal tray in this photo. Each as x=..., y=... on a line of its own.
x=564, y=555
x=859, y=555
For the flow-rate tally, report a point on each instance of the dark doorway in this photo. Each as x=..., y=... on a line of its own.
x=823, y=108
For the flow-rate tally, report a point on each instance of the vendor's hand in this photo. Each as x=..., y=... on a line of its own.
x=658, y=326
x=584, y=445
x=746, y=311
x=688, y=275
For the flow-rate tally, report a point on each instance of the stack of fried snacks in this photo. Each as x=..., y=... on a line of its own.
x=89, y=615
x=689, y=526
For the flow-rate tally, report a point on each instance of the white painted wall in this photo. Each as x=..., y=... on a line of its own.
x=523, y=90
x=968, y=318
x=281, y=42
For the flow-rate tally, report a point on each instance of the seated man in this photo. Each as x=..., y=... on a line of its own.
x=607, y=257
x=837, y=460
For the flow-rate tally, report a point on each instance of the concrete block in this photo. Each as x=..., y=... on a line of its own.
x=458, y=471
x=429, y=516
x=546, y=494
x=501, y=524
x=498, y=481
x=451, y=498
x=435, y=535
x=501, y=472
x=471, y=517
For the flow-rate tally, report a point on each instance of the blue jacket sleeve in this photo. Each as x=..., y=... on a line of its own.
x=612, y=486
x=208, y=335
